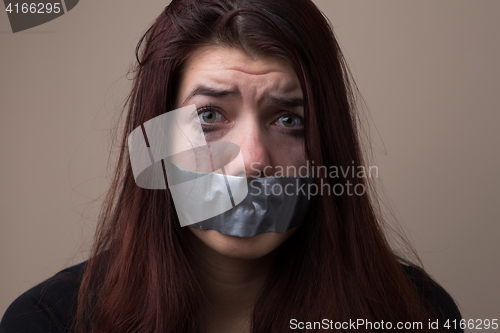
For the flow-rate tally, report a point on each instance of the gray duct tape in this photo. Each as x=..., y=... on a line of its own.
x=273, y=204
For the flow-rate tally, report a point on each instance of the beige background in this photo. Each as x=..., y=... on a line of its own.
x=428, y=71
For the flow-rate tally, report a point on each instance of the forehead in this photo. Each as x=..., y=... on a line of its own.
x=219, y=57
x=231, y=68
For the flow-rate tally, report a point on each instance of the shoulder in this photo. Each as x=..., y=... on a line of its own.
x=48, y=307
x=440, y=303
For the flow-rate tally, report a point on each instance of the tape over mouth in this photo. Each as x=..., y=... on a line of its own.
x=264, y=209
x=208, y=181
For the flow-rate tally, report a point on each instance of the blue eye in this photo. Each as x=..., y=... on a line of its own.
x=289, y=121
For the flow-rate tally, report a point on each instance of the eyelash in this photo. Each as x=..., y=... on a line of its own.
x=207, y=107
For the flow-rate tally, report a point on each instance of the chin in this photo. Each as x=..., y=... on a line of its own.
x=241, y=247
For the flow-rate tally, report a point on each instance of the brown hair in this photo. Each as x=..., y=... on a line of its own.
x=338, y=265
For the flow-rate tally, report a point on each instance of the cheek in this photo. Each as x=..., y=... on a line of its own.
x=241, y=248
x=287, y=151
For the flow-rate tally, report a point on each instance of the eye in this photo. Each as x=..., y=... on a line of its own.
x=290, y=121
x=209, y=115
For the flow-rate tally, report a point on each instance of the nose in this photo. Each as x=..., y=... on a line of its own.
x=254, y=145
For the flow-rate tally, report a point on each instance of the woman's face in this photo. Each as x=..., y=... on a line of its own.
x=256, y=103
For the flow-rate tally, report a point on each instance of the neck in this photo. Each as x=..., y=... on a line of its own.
x=232, y=285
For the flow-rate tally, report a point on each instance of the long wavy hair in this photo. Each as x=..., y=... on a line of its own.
x=338, y=265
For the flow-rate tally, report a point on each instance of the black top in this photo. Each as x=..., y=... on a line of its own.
x=51, y=305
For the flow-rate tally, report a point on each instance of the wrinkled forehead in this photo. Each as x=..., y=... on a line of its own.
x=236, y=72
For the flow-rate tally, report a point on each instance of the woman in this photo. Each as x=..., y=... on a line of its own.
x=269, y=77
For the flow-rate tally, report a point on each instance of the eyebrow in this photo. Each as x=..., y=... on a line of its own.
x=284, y=102
x=211, y=92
